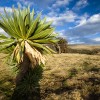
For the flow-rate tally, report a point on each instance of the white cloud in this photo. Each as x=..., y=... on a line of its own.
x=8, y=9
x=1, y=30
x=95, y=18
x=60, y=3
x=85, y=30
x=61, y=18
x=97, y=39
x=86, y=27
x=80, y=4
x=52, y=14
x=92, y=22
x=83, y=40
x=25, y=2
x=76, y=42
x=61, y=34
x=82, y=19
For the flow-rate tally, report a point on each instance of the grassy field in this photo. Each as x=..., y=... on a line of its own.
x=65, y=77
x=84, y=49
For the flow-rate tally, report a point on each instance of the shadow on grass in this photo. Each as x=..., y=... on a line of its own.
x=29, y=88
x=6, y=88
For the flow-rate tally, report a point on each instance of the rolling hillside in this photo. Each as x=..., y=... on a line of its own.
x=84, y=49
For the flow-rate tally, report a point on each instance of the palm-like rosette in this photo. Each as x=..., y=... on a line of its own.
x=27, y=34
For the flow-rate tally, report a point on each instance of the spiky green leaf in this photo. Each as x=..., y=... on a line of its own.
x=42, y=27
x=33, y=26
x=42, y=34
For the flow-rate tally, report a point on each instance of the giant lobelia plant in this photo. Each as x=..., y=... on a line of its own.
x=26, y=40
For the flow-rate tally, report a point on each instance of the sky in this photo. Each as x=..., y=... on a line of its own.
x=78, y=21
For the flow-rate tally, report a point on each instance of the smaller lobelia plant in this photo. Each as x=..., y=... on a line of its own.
x=28, y=36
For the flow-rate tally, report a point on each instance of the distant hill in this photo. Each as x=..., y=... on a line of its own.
x=84, y=49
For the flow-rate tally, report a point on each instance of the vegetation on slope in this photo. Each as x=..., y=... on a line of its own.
x=84, y=49
x=65, y=77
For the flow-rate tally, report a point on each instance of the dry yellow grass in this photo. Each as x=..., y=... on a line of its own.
x=72, y=77
x=84, y=49
x=85, y=46
x=6, y=80
x=66, y=77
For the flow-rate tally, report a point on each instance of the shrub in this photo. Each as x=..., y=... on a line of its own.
x=61, y=46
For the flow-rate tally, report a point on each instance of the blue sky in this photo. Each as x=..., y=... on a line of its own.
x=78, y=21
